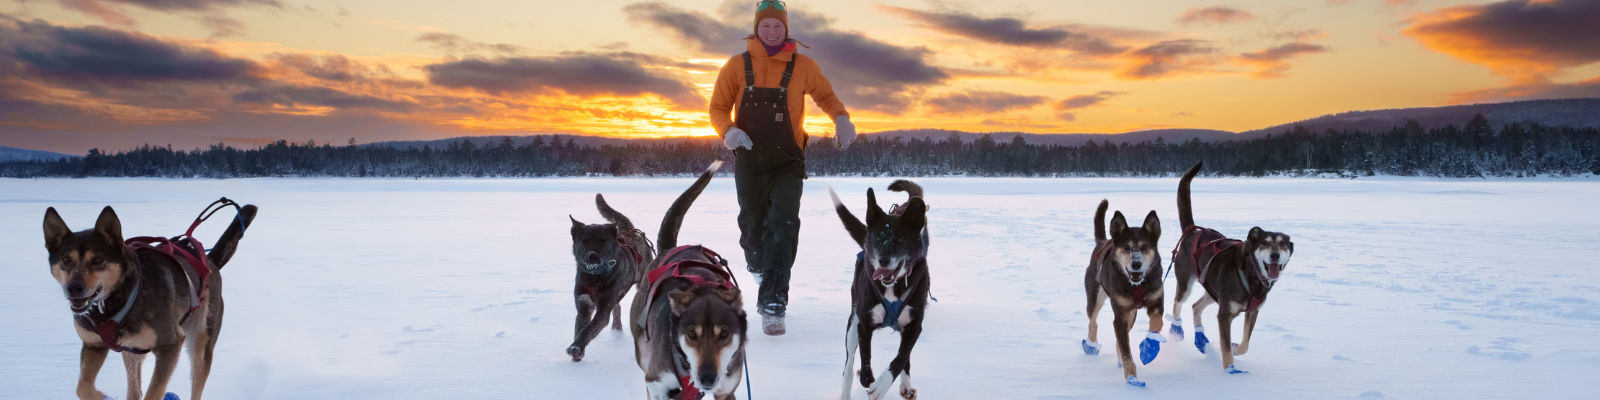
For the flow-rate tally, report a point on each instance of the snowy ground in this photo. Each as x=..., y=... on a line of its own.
x=428, y=289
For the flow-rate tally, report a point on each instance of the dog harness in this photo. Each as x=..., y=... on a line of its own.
x=673, y=265
x=1138, y=290
x=184, y=249
x=1208, y=243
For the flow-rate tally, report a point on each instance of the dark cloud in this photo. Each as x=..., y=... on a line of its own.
x=982, y=102
x=196, y=5
x=1532, y=91
x=583, y=74
x=1273, y=62
x=1066, y=106
x=1168, y=58
x=455, y=44
x=1086, y=100
x=296, y=96
x=333, y=67
x=708, y=33
x=1009, y=31
x=1298, y=35
x=866, y=73
x=1520, y=39
x=94, y=56
x=1215, y=15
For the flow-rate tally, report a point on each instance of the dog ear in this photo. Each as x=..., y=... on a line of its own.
x=916, y=213
x=875, y=214
x=55, y=229
x=575, y=225
x=1119, y=225
x=731, y=296
x=108, y=227
x=1152, y=225
x=680, y=299
x=1256, y=234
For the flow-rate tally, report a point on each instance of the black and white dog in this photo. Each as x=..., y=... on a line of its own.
x=891, y=283
x=1126, y=269
x=611, y=259
x=1237, y=274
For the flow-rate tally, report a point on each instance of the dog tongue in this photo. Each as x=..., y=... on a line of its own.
x=1273, y=270
x=882, y=274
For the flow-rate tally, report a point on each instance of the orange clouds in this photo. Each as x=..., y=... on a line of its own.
x=1522, y=40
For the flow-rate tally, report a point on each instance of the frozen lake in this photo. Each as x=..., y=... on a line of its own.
x=427, y=289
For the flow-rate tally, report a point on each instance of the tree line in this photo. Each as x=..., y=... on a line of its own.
x=1475, y=149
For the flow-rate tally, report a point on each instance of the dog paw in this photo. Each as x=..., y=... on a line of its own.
x=1091, y=348
x=866, y=377
x=908, y=393
x=1135, y=381
x=1150, y=347
x=576, y=353
x=1239, y=350
x=1200, y=341
x=1177, y=330
x=1234, y=371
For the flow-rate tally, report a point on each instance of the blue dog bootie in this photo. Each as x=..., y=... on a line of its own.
x=1200, y=339
x=1091, y=348
x=1235, y=371
x=1150, y=347
x=1177, y=329
x=1135, y=381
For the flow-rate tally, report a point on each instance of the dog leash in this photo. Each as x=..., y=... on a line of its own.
x=747, y=375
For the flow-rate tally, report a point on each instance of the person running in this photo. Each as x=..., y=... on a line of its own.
x=768, y=83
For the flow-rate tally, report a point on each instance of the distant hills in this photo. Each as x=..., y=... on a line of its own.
x=16, y=154
x=1576, y=113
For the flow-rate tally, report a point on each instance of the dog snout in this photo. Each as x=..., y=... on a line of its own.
x=708, y=376
x=1138, y=265
x=76, y=287
x=1274, y=258
x=592, y=258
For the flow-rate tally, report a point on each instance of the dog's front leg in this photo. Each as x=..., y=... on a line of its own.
x=852, y=340
x=1225, y=317
x=591, y=320
x=134, y=363
x=864, y=333
x=1121, y=323
x=89, y=362
x=900, y=367
x=1249, y=327
x=166, y=362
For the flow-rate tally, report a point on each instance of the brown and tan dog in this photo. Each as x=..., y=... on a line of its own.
x=1125, y=269
x=143, y=300
x=1236, y=274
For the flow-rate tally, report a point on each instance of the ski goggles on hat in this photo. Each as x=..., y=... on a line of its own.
x=765, y=4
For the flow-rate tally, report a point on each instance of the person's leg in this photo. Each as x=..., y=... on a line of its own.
x=753, y=188
x=781, y=240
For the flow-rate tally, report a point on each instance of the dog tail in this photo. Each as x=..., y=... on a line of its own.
x=668, y=238
x=611, y=215
x=858, y=230
x=1185, y=213
x=1100, y=222
x=229, y=242
x=902, y=185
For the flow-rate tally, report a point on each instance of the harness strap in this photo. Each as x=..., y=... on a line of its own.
x=108, y=329
x=750, y=74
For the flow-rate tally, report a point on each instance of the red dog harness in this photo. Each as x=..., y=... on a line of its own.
x=184, y=249
x=673, y=265
x=1208, y=243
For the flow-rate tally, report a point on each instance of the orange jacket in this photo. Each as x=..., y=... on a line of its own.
x=807, y=79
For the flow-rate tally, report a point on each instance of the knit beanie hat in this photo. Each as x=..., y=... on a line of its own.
x=772, y=9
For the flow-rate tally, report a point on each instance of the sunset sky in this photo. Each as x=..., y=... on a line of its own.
x=114, y=74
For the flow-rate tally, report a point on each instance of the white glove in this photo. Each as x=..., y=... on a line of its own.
x=844, y=131
x=735, y=139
